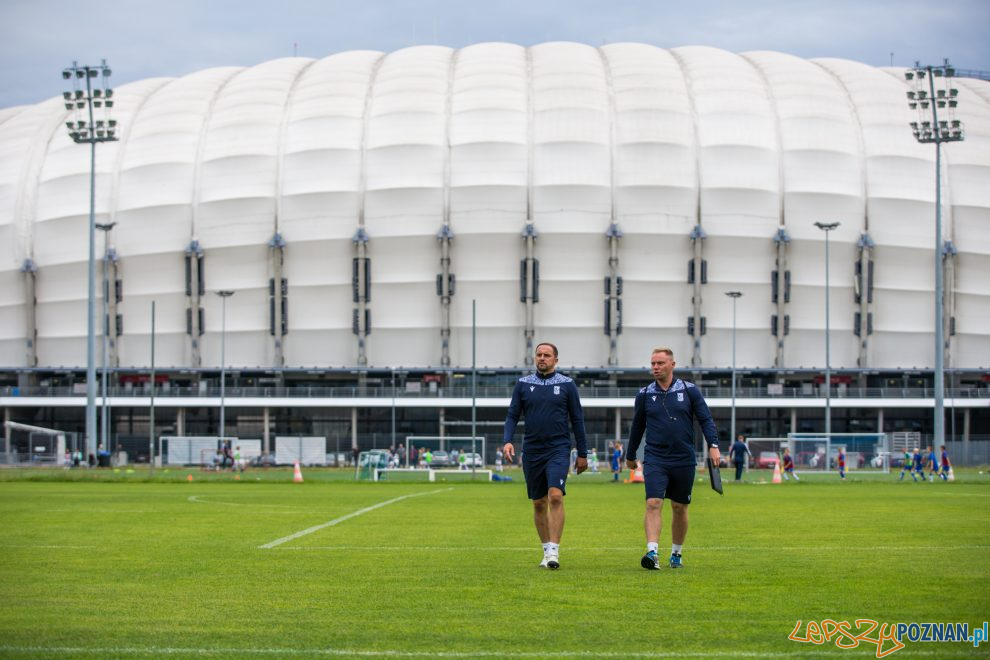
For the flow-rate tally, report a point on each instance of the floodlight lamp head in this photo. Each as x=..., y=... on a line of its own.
x=66, y=74
x=826, y=226
x=733, y=294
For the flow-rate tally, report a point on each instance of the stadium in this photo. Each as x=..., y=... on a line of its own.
x=352, y=252
x=396, y=230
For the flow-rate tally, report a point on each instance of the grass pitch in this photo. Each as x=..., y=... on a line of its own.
x=116, y=565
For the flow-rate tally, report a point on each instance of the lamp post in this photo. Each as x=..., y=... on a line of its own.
x=90, y=131
x=827, y=227
x=732, y=426
x=224, y=294
x=104, y=412
x=936, y=132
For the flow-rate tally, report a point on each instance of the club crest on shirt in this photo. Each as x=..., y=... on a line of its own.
x=556, y=389
x=532, y=387
x=680, y=396
x=654, y=397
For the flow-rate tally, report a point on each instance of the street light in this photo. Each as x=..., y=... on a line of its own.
x=223, y=357
x=936, y=132
x=107, y=255
x=90, y=132
x=827, y=227
x=732, y=426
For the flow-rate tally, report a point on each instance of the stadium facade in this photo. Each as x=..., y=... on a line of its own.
x=366, y=207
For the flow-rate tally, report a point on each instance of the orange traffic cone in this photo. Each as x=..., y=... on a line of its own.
x=297, y=474
x=189, y=478
x=637, y=475
x=776, y=473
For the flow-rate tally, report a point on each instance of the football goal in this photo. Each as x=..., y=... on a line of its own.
x=451, y=451
x=819, y=452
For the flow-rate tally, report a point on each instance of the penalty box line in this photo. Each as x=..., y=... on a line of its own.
x=335, y=521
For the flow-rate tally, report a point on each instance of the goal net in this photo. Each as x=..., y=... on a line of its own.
x=457, y=451
x=868, y=452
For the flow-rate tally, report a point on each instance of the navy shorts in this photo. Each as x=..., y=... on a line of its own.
x=669, y=483
x=546, y=471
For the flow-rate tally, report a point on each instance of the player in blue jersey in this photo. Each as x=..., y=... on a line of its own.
x=666, y=410
x=919, y=464
x=616, y=460
x=550, y=404
x=931, y=460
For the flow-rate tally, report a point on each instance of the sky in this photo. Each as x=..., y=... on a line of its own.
x=142, y=39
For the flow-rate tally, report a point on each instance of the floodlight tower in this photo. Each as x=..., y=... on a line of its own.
x=936, y=131
x=96, y=94
x=827, y=227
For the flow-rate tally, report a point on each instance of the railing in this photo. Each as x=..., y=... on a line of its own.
x=500, y=391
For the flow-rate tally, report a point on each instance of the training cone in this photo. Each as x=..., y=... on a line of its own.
x=776, y=473
x=637, y=476
x=297, y=473
x=189, y=478
x=952, y=475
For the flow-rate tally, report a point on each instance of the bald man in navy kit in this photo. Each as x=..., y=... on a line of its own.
x=551, y=406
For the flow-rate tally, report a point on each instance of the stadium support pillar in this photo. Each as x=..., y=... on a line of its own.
x=618, y=424
x=793, y=422
x=967, y=421
x=613, y=293
x=278, y=298
x=781, y=296
x=879, y=420
x=530, y=289
x=266, y=437
x=30, y=316
x=362, y=293
x=443, y=423
x=698, y=327
x=864, y=297
x=6, y=434
x=354, y=431
x=445, y=289
x=195, y=289
x=180, y=422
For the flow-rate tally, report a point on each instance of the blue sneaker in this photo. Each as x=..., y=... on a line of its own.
x=675, y=561
x=650, y=561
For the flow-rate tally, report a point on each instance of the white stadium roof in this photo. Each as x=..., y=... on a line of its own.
x=750, y=147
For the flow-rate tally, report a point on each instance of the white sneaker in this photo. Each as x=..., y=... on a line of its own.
x=552, y=562
x=543, y=564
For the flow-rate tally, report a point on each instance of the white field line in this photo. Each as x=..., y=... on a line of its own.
x=335, y=521
x=578, y=548
x=198, y=499
x=47, y=547
x=396, y=653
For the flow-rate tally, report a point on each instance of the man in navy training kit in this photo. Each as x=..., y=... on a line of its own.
x=666, y=410
x=550, y=404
